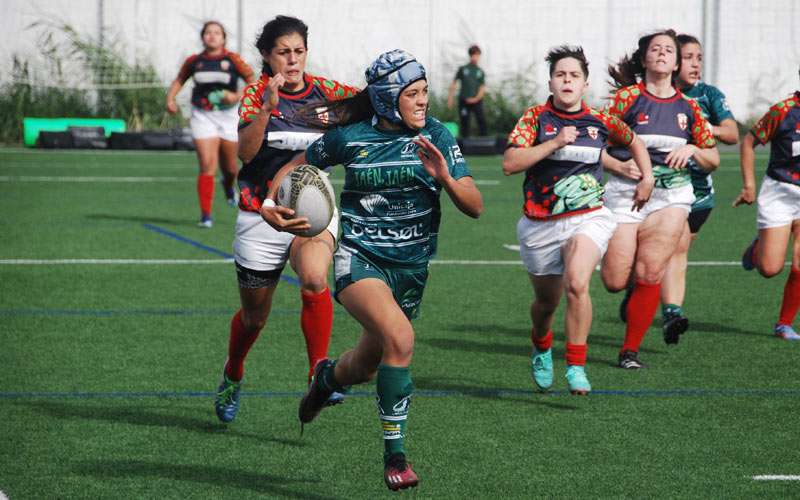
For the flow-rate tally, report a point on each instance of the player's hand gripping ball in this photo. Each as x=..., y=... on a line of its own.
x=308, y=192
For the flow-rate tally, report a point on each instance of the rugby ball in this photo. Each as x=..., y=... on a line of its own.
x=308, y=192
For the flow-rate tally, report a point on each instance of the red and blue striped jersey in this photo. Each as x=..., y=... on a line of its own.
x=663, y=124
x=212, y=73
x=285, y=135
x=781, y=127
x=569, y=180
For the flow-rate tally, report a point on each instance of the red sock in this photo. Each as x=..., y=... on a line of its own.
x=791, y=298
x=316, y=320
x=576, y=354
x=641, y=310
x=205, y=193
x=542, y=343
x=239, y=344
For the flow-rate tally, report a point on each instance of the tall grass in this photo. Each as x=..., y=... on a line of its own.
x=76, y=76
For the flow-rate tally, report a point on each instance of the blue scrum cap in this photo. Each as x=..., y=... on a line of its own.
x=386, y=77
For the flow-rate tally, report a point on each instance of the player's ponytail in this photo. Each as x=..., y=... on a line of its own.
x=330, y=114
x=630, y=69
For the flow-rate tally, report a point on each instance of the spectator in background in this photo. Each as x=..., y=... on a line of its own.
x=470, y=95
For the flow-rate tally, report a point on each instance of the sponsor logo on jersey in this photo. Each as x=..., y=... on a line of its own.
x=383, y=177
x=683, y=121
x=643, y=119
x=296, y=141
x=580, y=154
x=363, y=153
x=662, y=143
x=592, y=131
x=409, y=149
x=372, y=201
x=211, y=77
x=225, y=65
x=392, y=234
x=322, y=115
x=549, y=129
x=455, y=154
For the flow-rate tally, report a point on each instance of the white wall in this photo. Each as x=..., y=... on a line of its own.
x=757, y=42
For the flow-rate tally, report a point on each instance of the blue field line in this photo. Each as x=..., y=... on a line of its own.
x=197, y=244
x=108, y=313
x=495, y=393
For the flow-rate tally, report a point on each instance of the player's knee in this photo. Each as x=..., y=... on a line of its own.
x=546, y=304
x=769, y=269
x=313, y=282
x=649, y=274
x=576, y=288
x=399, y=345
x=614, y=284
x=253, y=322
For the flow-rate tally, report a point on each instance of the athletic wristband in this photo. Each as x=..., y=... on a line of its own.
x=268, y=202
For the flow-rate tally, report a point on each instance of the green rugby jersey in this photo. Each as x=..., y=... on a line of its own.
x=389, y=204
x=471, y=77
x=715, y=109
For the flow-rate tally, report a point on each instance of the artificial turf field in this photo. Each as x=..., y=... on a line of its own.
x=109, y=369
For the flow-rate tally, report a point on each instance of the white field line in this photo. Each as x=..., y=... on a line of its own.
x=92, y=178
x=57, y=262
x=142, y=179
x=114, y=262
x=700, y=263
x=776, y=478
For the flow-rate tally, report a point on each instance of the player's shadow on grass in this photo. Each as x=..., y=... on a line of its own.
x=141, y=219
x=484, y=329
x=522, y=349
x=702, y=326
x=221, y=477
x=141, y=416
x=494, y=393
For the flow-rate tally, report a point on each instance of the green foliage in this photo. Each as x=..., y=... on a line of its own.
x=78, y=76
x=503, y=103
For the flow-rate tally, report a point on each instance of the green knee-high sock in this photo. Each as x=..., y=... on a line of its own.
x=394, y=396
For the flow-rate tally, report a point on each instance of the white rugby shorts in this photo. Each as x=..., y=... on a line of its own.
x=222, y=123
x=260, y=247
x=778, y=203
x=619, y=199
x=541, y=240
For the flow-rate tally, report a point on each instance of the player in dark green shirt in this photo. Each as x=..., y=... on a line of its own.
x=470, y=95
x=715, y=109
x=397, y=161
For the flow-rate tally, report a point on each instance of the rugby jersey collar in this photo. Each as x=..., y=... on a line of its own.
x=208, y=56
x=643, y=89
x=569, y=115
x=404, y=130
x=299, y=94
